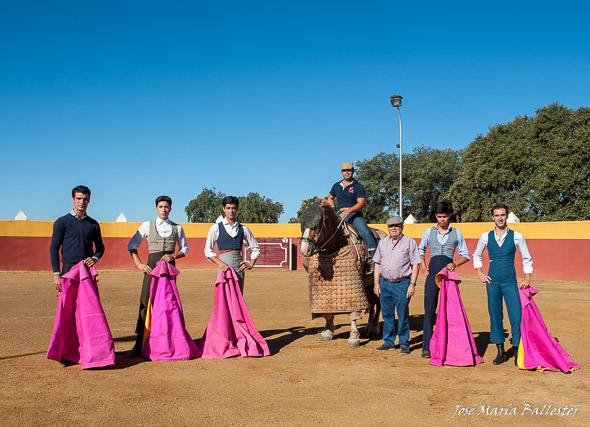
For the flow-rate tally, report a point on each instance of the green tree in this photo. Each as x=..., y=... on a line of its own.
x=428, y=173
x=309, y=201
x=259, y=209
x=207, y=206
x=539, y=166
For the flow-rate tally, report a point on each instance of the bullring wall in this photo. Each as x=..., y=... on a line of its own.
x=560, y=250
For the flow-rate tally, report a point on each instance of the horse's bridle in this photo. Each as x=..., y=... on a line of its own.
x=314, y=244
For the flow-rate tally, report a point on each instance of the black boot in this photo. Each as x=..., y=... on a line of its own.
x=515, y=355
x=501, y=357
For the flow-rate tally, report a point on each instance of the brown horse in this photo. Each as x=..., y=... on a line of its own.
x=338, y=281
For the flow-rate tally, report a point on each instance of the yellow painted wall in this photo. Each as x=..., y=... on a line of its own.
x=532, y=230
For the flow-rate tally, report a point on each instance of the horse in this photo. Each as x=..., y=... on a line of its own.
x=338, y=280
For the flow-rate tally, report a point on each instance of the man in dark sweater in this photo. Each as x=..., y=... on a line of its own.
x=77, y=235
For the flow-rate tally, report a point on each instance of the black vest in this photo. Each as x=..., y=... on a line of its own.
x=226, y=242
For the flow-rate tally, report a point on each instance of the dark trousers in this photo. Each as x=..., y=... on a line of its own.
x=144, y=298
x=509, y=292
x=66, y=267
x=431, y=291
x=394, y=298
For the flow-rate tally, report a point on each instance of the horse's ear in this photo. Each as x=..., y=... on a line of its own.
x=322, y=202
x=304, y=204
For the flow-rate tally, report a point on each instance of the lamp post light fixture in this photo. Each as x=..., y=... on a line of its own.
x=396, y=101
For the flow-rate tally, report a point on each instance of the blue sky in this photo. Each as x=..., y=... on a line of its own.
x=137, y=99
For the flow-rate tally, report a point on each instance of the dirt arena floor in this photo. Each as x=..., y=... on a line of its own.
x=303, y=382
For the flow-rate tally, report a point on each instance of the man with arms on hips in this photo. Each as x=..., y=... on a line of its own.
x=443, y=240
x=350, y=195
x=228, y=235
x=76, y=236
x=162, y=235
x=397, y=263
x=501, y=280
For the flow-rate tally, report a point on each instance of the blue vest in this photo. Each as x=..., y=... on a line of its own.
x=502, y=259
x=225, y=242
x=447, y=248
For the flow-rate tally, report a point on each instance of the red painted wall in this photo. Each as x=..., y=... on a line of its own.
x=562, y=259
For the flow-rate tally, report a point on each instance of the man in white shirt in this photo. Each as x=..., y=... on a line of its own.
x=228, y=235
x=501, y=281
x=163, y=235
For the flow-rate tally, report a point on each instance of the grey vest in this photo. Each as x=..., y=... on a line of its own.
x=447, y=249
x=160, y=244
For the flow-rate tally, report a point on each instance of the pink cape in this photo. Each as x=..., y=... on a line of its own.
x=81, y=333
x=230, y=331
x=541, y=351
x=165, y=335
x=452, y=342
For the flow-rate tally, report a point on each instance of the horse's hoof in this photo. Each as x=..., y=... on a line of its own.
x=353, y=343
x=326, y=335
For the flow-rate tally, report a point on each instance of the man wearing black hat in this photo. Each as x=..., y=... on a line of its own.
x=350, y=195
x=397, y=262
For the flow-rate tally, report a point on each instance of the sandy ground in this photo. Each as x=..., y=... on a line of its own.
x=304, y=381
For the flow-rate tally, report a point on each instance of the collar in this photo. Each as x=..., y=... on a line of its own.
x=503, y=234
x=160, y=221
x=398, y=239
x=352, y=183
x=73, y=213
x=448, y=229
x=226, y=222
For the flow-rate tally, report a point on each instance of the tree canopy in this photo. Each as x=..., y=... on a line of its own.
x=428, y=173
x=207, y=206
x=539, y=166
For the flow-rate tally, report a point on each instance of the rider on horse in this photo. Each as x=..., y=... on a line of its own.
x=351, y=196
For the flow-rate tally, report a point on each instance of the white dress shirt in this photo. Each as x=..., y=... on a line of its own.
x=519, y=242
x=213, y=235
x=164, y=229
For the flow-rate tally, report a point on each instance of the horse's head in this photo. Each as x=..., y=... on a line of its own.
x=318, y=223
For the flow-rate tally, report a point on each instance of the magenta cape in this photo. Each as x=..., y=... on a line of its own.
x=165, y=335
x=231, y=331
x=81, y=333
x=452, y=341
x=538, y=349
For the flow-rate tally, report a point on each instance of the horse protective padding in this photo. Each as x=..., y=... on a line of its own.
x=81, y=333
x=336, y=283
x=538, y=349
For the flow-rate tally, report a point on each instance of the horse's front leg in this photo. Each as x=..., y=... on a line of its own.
x=353, y=340
x=328, y=332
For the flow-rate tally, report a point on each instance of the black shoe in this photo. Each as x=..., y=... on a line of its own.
x=404, y=350
x=501, y=357
x=515, y=350
x=134, y=352
x=384, y=347
x=426, y=354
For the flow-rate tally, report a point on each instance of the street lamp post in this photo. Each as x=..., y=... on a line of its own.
x=396, y=101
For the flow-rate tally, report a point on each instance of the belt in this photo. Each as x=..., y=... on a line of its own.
x=396, y=280
x=228, y=250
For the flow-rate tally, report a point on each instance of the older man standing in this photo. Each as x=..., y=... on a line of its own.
x=397, y=262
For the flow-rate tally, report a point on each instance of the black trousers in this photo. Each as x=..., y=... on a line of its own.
x=431, y=291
